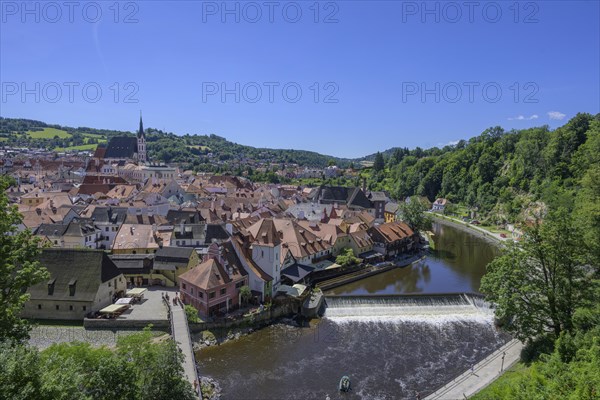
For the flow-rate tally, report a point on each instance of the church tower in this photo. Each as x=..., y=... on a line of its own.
x=141, y=142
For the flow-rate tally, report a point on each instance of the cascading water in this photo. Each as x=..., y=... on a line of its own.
x=434, y=308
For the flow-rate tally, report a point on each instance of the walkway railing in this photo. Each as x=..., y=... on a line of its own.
x=460, y=383
x=196, y=378
x=187, y=326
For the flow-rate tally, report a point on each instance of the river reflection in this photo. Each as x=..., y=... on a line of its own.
x=456, y=265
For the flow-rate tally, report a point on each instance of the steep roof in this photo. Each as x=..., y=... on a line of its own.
x=185, y=216
x=133, y=263
x=121, y=147
x=298, y=241
x=392, y=231
x=206, y=275
x=352, y=196
x=265, y=233
x=174, y=254
x=105, y=215
x=86, y=269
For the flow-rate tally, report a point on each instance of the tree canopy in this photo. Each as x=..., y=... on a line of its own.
x=19, y=268
x=139, y=368
x=538, y=284
x=413, y=213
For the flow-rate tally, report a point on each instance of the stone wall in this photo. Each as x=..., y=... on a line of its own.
x=264, y=318
x=92, y=323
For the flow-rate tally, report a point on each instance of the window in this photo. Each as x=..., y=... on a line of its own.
x=183, y=285
x=211, y=295
x=106, y=229
x=223, y=291
x=191, y=290
x=51, y=286
x=39, y=306
x=57, y=307
x=72, y=286
x=239, y=284
x=84, y=308
x=201, y=295
x=70, y=308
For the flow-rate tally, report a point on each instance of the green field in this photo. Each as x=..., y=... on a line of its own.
x=80, y=147
x=48, y=133
x=198, y=147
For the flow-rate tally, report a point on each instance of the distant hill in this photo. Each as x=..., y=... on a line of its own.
x=163, y=146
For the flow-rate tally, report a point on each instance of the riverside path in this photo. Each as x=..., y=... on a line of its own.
x=481, y=375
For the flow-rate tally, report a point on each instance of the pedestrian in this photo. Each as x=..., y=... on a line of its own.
x=195, y=386
x=472, y=369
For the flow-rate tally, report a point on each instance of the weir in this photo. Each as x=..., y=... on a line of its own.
x=439, y=306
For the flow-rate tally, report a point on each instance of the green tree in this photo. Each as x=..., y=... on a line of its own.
x=379, y=163
x=19, y=268
x=347, y=258
x=191, y=313
x=245, y=294
x=413, y=213
x=20, y=375
x=139, y=368
x=537, y=285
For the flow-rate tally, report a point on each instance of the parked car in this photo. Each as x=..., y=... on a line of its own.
x=503, y=235
x=475, y=222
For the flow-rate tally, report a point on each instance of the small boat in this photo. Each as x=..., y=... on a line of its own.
x=344, y=384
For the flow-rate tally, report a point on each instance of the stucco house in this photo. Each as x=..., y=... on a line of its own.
x=213, y=286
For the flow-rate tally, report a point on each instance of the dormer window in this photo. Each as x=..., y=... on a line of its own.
x=51, y=286
x=72, y=284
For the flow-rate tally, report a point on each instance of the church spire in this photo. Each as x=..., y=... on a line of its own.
x=141, y=131
x=141, y=142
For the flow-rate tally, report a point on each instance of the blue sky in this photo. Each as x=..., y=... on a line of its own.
x=372, y=74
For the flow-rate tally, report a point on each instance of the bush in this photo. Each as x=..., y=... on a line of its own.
x=536, y=347
x=192, y=314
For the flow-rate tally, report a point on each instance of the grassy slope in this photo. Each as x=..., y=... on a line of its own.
x=48, y=133
x=500, y=387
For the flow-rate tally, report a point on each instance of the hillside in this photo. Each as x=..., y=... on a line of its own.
x=163, y=146
x=502, y=174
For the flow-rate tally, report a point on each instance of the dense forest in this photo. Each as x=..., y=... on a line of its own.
x=502, y=174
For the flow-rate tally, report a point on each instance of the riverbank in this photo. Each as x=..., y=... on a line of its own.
x=482, y=374
x=490, y=237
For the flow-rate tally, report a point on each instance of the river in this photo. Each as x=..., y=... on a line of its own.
x=390, y=349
